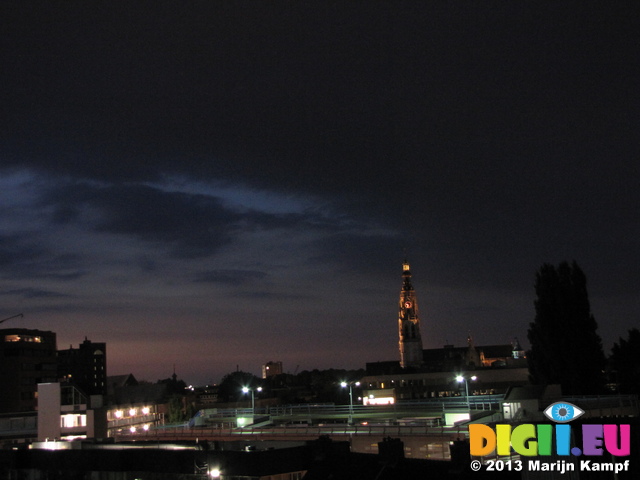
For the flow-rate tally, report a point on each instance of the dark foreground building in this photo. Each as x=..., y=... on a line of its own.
x=27, y=357
x=322, y=459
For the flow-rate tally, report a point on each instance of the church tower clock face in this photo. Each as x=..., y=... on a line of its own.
x=410, y=341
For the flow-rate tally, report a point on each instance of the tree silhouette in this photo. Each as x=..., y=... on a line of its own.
x=625, y=362
x=230, y=389
x=565, y=346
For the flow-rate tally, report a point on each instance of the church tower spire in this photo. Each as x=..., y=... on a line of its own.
x=410, y=341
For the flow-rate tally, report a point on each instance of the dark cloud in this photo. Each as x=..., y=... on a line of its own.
x=191, y=225
x=24, y=258
x=230, y=277
x=222, y=91
x=14, y=251
x=33, y=293
x=257, y=294
x=362, y=252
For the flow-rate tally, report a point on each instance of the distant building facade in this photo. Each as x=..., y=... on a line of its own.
x=135, y=406
x=271, y=369
x=424, y=385
x=496, y=368
x=27, y=358
x=85, y=367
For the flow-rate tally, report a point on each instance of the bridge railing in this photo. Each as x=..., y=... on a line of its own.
x=292, y=431
x=476, y=402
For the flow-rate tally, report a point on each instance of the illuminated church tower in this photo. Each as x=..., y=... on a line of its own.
x=410, y=342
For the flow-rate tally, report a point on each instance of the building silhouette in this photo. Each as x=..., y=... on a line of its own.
x=85, y=367
x=27, y=358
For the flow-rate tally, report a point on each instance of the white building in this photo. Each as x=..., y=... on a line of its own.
x=64, y=414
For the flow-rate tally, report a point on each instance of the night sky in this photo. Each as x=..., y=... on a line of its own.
x=213, y=185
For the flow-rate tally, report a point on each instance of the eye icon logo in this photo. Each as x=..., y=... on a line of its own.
x=563, y=412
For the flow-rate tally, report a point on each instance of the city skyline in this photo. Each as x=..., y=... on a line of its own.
x=219, y=186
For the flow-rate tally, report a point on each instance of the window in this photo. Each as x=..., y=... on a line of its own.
x=73, y=420
x=22, y=338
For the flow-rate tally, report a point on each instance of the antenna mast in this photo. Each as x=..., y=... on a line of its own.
x=9, y=318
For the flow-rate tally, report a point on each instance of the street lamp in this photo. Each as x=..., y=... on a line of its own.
x=246, y=390
x=462, y=378
x=350, y=385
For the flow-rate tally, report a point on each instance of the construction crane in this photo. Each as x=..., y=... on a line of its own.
x=9, y=318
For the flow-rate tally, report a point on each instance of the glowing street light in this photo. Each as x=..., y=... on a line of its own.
x=462, y=378
x=246, y=390
x=350, y=385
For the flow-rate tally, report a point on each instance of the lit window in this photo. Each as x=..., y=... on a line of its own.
x=73, y=420
x=22, y=338
x=378, y=401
